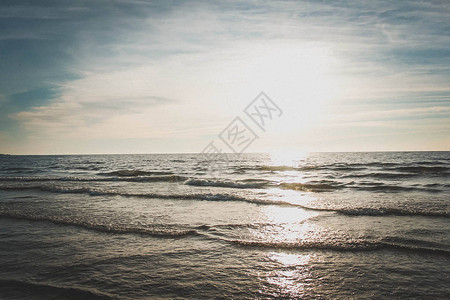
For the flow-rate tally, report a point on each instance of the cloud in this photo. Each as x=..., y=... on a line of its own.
x=132, y=69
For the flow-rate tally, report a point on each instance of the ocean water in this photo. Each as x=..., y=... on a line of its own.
x=318, y=225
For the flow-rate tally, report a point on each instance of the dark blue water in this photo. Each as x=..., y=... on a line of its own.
x=320, y=225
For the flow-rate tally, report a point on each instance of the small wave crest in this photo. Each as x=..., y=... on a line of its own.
x=154, y=231
x=156, y=178
x=391, y=188
x=266, y=168
x=368, y=211
x=318, y=186
x=391, y=212
x=41, y=290
x=421, y=169
x=416, y=168
x=134, y=173
x=239, y=184
x=379, y=212
x=313, y=186
x=380, y=175
x=347, y=246
x=187, y=196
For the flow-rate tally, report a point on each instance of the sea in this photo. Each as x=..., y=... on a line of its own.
x=252, y=226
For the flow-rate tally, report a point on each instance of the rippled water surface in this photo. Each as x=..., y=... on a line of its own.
x=320, y=225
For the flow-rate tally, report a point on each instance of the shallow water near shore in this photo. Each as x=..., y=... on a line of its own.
x=318, y=225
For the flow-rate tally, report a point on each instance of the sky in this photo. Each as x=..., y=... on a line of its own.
x=88, y=77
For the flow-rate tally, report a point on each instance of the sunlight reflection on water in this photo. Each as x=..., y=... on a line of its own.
x=290, y=225
x=291, y=276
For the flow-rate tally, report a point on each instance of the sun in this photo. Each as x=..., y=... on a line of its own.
x=289, y=158
x=300, y=78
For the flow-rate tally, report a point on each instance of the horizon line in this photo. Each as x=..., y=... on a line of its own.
x=227, y=153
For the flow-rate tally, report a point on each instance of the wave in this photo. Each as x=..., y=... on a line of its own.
x=162, y=231
x=18, y=169
x=175, y=231
x=372, y=212
x=89, y=162
x=256, y=225
x=44, y=290
x=87, y=168
x=437, y=185
x=380, y=175
x=243, y=169
x=378, y=212
x=318, y=186
x=381, y=187
x=239, y=184
x=340, y=246
x=313, y=186
x=281, y=168
x=417, y=167
x=413, y=242
x=193, y=196
x=134, y=173
x=276, y=168
x=421, y=169
x=168, y=178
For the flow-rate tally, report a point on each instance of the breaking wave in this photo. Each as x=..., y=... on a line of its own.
x=155, y=231
x=350, y=246
x=43, y=290
x=372, y=212
x=391, y=212
x=238, y=184
x=416, y=168
x=318, y=186
x=192, y=196
x=157, y=178
x=134, y=173
x=176, y=231
x=313, y=186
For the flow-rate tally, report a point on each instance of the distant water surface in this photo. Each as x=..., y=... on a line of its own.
x=321, y=225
